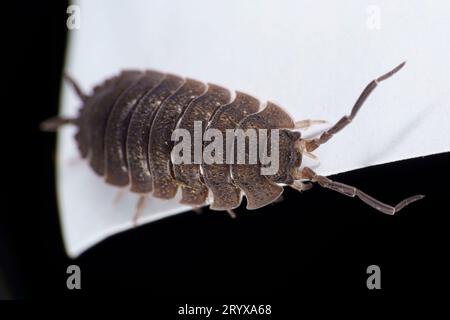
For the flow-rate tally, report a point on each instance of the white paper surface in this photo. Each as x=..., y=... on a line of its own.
x=311, y=57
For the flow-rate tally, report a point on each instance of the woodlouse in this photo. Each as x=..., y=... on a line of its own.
x=125, y=128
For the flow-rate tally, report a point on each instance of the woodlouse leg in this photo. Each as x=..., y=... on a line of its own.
x=76, y=87
x=118, y=196
x=305, y=124
x=344, y=121
x=231, y=213
x=351, y=191
x=198, y=210
x=301, y=185
x=138, y=210
x=74, y=161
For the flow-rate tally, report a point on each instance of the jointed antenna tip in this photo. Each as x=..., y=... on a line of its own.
x=391, y=73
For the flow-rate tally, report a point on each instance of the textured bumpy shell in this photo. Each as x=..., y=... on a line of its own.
x=125, y=128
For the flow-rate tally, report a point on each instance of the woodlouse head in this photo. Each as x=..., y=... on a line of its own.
x=299, y=149
x=290, y=157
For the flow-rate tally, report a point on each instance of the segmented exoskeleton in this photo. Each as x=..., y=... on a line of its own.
x=125, y=128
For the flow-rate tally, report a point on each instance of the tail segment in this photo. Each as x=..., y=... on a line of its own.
x=55, y=123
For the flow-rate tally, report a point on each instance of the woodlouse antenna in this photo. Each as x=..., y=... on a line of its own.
x=311, y=145
x=351, y=191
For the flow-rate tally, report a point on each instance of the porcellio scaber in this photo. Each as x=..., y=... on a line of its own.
x=124, y=130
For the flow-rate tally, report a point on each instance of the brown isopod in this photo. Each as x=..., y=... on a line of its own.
x=125, y=131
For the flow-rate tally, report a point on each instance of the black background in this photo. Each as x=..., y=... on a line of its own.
x=318, y=243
